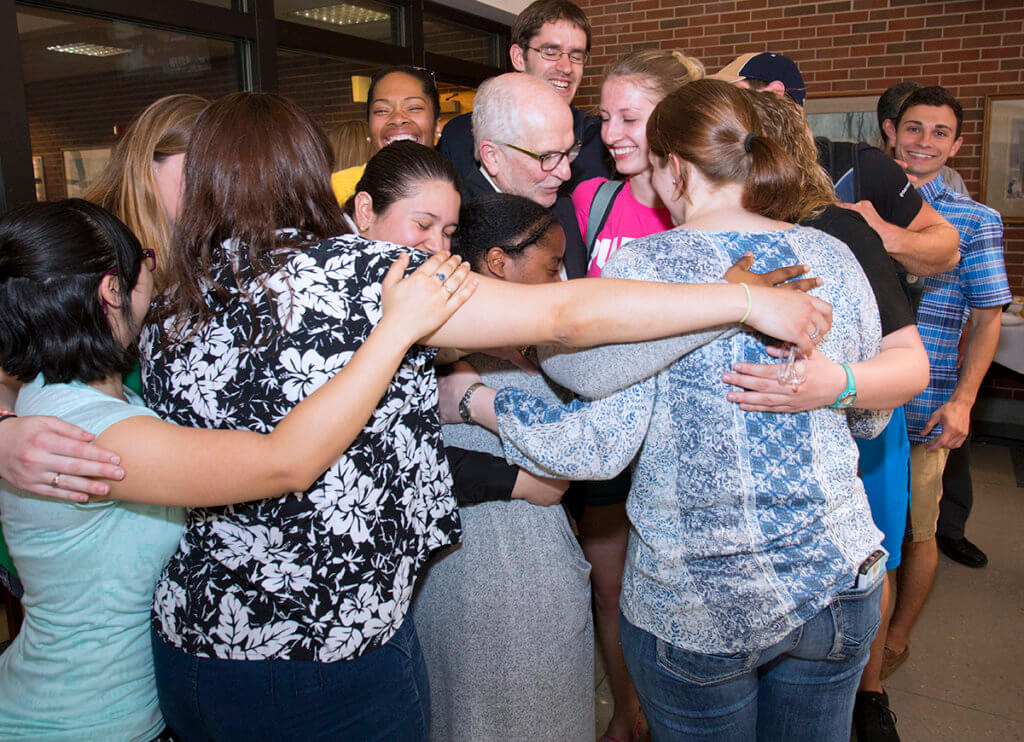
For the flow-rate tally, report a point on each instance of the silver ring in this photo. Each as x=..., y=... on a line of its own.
x=440, y=277
x=55, y=482
x=814, y=333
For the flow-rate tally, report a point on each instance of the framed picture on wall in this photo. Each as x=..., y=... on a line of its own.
x=848, y=118
x=39, y=176
x=82, y=167
x=1002, y=156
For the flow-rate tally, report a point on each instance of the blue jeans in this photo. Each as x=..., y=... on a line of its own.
x=802, y=688
x=382, y=695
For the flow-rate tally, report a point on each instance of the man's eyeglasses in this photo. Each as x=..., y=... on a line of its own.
x=550, y=160
x=554, y=53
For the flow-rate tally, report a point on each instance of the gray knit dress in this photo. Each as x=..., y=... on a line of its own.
x=504, y=618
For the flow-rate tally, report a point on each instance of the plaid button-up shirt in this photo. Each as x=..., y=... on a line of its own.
x=978, y=281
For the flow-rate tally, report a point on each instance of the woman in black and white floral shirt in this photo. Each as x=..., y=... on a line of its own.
x=266, y=305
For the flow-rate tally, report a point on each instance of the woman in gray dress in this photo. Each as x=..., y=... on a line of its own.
x=504, y=617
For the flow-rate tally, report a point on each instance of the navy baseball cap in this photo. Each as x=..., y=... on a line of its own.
x=766, y=67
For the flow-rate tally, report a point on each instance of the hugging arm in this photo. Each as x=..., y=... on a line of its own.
x=168, y=464
x=34, y=449
x=579, y=440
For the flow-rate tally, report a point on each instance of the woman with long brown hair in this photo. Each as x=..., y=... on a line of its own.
x=264, y=301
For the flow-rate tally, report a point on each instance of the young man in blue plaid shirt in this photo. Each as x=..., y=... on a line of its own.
x=927, y=135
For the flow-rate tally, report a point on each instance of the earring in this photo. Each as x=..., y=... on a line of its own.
x=675, y=182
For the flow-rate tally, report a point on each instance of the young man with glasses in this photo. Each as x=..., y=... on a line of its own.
x=550, y=41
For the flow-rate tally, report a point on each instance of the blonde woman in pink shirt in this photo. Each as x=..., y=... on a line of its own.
x=616, y=212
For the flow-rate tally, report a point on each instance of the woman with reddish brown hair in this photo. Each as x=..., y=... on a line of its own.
x=264, y=304
x=753, y=575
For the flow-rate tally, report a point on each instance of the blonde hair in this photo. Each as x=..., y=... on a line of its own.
x=783, y=120
x=127, y=186
x=350, y=141
x=658, y=71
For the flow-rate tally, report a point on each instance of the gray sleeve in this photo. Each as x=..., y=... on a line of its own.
x=603, y=370
x=598, y=372
x=867, y=423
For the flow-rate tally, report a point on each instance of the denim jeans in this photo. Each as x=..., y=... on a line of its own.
x=800, y=689
x=382, y=695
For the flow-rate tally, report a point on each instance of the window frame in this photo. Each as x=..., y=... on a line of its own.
x=257, y=33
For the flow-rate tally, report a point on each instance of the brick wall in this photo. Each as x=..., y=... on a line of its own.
x=843, y=47
x=81, y=112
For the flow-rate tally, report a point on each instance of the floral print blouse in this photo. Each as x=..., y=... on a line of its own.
x=326, y=574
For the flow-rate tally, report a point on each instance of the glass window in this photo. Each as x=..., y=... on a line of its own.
x=86, y=79
x=455, y=100
x=442, y=36
x=331, y=89
x=368, y=19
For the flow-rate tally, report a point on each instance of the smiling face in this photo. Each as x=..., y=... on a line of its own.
x=562, y=75
x=545, y=130
x=425, y=220
x=401, y=109
x=625, y=107
x=925, y=139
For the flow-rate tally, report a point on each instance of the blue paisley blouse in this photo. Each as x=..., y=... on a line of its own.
x=326, y=574
x=745, y=525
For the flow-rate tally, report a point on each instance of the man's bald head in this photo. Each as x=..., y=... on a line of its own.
x=507, y=106
x=513, y=111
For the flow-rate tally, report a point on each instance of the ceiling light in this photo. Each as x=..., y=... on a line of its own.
x=342, y=14
x=89, y=50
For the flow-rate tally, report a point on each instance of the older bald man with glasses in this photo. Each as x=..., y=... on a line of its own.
x=551, y=42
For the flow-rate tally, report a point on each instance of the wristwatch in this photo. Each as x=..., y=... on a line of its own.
x=464, y=403
x=849, y=395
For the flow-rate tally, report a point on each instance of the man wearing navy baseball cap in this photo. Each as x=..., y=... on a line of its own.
x=765, y=71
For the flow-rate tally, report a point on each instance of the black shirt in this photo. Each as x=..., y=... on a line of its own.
x=865, y=244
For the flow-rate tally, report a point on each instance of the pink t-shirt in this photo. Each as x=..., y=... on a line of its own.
x=627, y=221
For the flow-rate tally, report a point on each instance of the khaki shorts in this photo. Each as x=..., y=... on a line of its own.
x=925, y=490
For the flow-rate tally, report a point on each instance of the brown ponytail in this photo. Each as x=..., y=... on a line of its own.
x=707, y=123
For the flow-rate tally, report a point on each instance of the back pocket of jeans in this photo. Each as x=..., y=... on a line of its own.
x=703, y=669
x=857, y=617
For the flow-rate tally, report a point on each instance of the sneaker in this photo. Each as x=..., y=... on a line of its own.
x=873, y=720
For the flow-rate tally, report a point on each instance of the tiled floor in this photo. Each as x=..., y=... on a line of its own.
x=964, y=680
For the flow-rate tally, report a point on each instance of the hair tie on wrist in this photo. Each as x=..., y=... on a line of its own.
x=750, y=304
x=747, y=141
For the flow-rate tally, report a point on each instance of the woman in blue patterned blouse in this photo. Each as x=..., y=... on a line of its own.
x=742, y=613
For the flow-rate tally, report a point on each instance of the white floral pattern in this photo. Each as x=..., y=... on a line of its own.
x=327, y=574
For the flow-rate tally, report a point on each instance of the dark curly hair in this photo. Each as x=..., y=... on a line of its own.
x=53, y=256
x=512, y=223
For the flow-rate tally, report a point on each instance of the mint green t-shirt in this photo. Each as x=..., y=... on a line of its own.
x=82, y=665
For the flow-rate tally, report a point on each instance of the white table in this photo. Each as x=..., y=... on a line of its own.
x=1010, y=351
